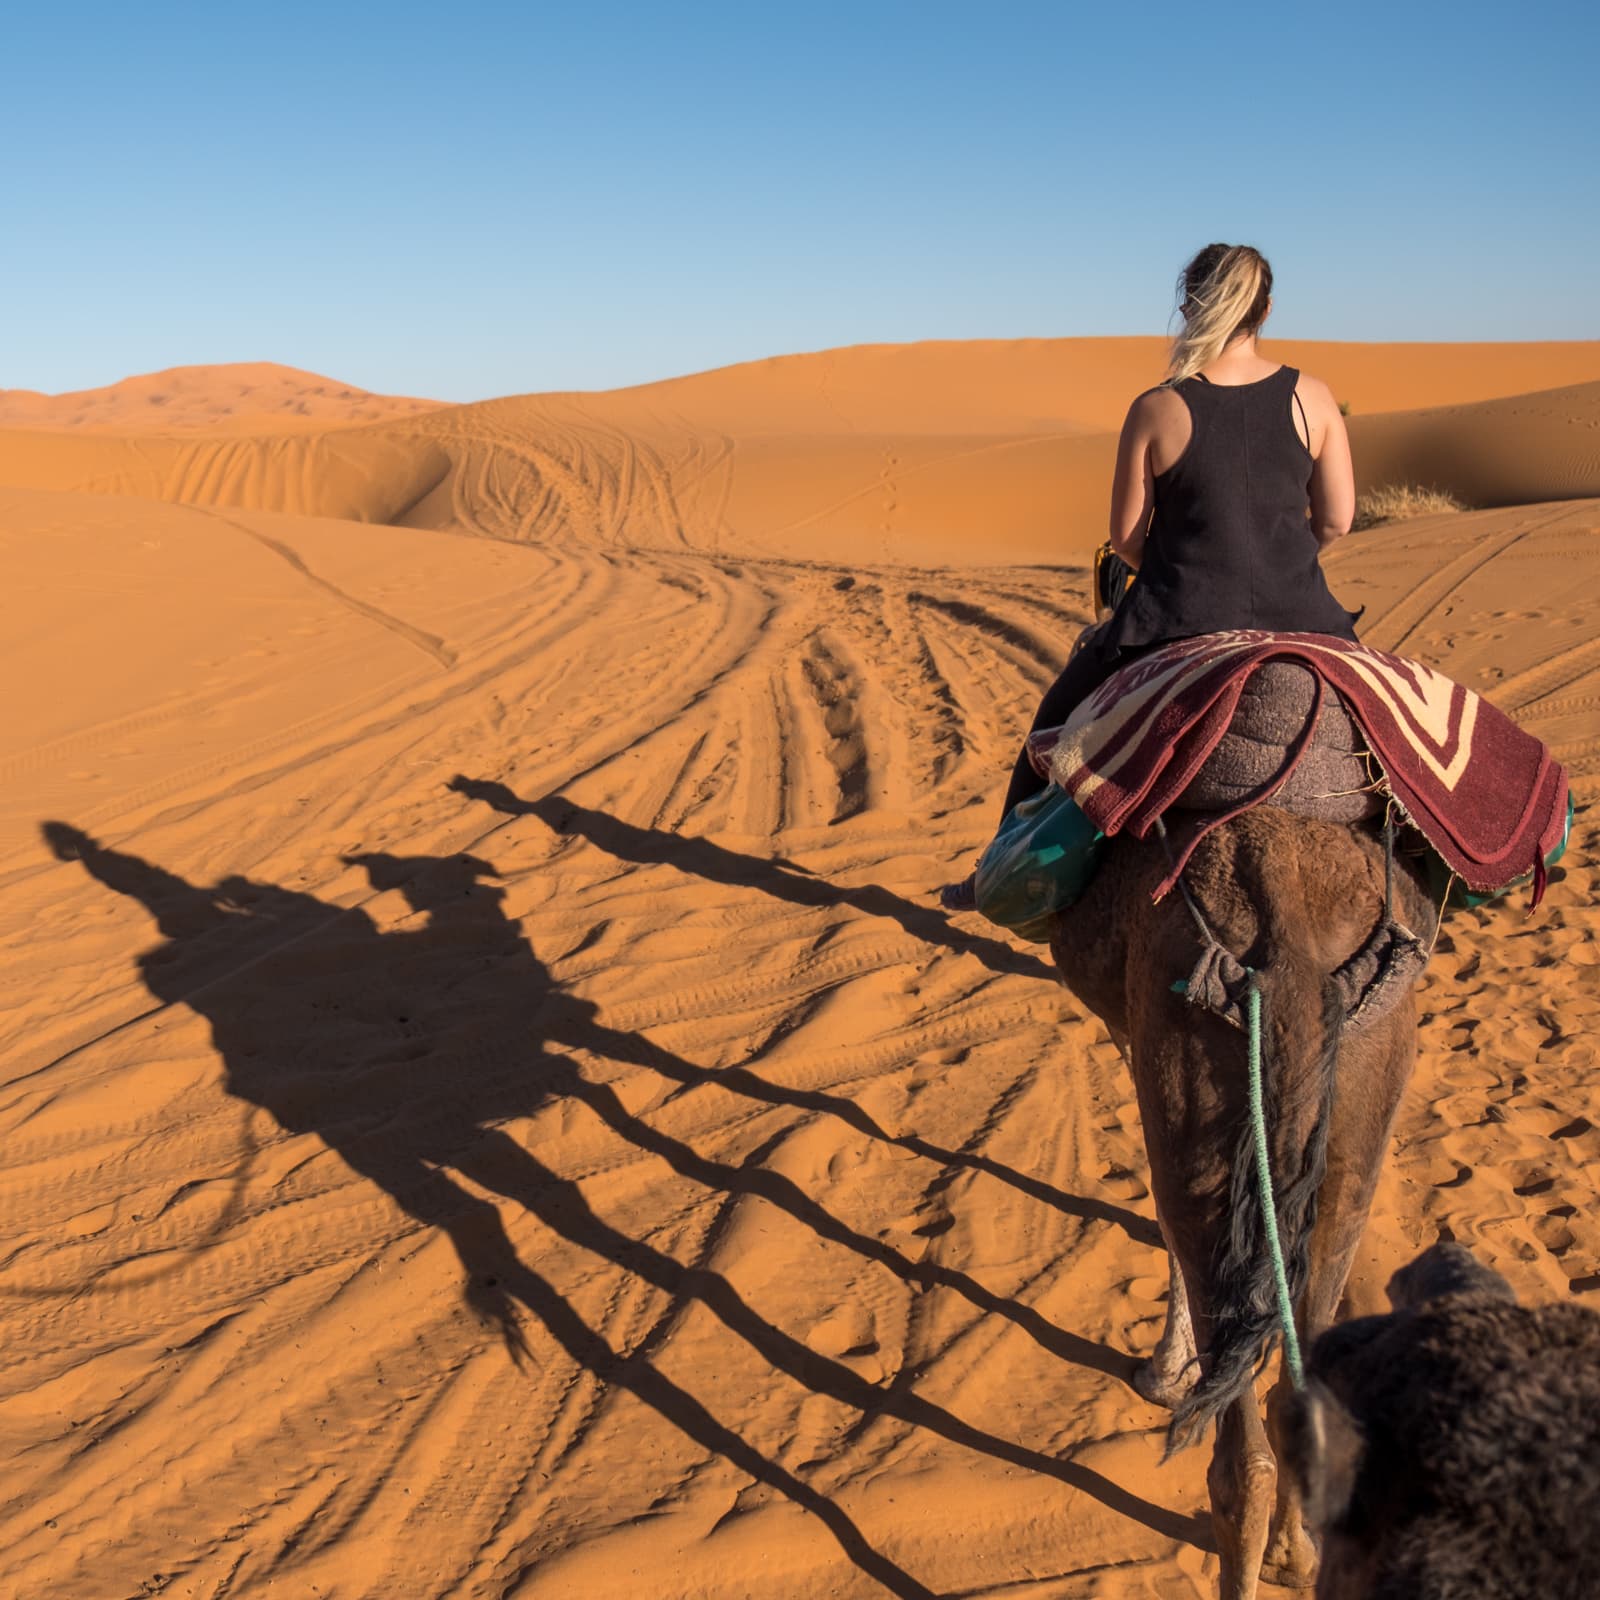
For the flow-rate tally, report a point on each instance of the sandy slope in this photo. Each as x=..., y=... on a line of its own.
x=938, y=386
x=229, y=398
x=960, y=454
x=1023, y=385
x=490, y=1111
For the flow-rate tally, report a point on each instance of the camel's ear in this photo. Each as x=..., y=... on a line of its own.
x=1324, y=1449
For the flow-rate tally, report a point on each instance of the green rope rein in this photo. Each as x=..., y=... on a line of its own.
x=1269, y=1206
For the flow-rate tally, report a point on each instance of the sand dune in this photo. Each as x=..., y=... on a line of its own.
x=938, y=386
x=1540, y=446
x=1077, y=385
x=233, y=397
x=356, y=474
x=832, y=457
x=490, y=1109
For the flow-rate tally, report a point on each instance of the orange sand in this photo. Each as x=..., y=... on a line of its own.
x=608, y=1176
x=239, y=396
x=955, y=454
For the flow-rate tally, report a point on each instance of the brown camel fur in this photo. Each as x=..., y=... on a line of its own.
x=1293, y=898
x=1451, y=1450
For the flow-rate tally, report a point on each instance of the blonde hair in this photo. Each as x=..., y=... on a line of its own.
x=1223, y=290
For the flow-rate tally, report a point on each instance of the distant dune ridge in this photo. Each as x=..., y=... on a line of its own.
x=936, y=386
x=257, y=395
x=942, y=452
x=491, y=1105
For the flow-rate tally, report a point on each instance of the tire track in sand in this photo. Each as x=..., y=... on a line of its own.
x=826, y=1215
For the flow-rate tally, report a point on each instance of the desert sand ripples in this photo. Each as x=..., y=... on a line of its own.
x=492, y=1107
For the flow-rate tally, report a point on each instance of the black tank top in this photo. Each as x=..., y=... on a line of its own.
x=1229, y=544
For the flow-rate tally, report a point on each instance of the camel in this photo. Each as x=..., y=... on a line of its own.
x=1292, y=897
x=1452, y=1447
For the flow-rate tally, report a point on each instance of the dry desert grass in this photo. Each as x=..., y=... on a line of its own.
x=1396, y=502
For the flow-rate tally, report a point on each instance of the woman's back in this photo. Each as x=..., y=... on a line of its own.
x=1209, y=498
x=1229, y=543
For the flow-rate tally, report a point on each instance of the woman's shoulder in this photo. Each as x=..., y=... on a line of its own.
x=1155, y=400
x=1151, y=413
x=1311, y=388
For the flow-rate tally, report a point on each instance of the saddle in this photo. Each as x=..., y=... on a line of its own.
x=1334, y=779
x=1486, y=795
x=1203, y=729
x=1047, y=850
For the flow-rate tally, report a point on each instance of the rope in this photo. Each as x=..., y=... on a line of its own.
x=1269, y=1205
x=1388, y=862
x=1207, y=937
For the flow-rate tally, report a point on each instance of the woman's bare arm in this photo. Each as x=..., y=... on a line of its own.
x=1133, y=494
x=1333, y=479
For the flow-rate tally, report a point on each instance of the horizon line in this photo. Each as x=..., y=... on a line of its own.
x=780, y=355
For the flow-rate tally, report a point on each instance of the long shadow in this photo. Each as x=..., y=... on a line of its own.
x=717, y=864
x=780, y=879
x=404, y=1052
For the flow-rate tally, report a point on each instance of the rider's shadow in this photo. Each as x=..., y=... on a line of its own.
x=783, y=880
x=402, y=1049
x=775, y=878
x=406, y=1049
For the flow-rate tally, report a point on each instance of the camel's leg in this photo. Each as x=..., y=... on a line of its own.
x=1172, y=1371
x=1380, y=1066
x=1291, y=1555
x=1241, y=1481
x=1290, y=1560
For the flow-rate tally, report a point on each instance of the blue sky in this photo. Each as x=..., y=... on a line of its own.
x=470, y=199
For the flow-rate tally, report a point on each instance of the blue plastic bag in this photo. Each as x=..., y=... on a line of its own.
x=1039, y=862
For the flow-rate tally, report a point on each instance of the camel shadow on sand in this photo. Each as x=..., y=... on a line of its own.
x=703, y=858
x=778, y=879
x=406, y=1050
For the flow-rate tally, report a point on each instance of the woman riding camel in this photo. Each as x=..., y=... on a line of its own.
x=1232, y=475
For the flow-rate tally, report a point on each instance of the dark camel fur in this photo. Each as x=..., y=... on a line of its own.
x=1294, y=898
x=1451, y=1450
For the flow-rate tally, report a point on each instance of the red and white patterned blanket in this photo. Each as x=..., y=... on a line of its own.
x=1486, y=795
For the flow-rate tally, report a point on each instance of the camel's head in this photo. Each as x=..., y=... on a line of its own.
x=1452, y=1448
